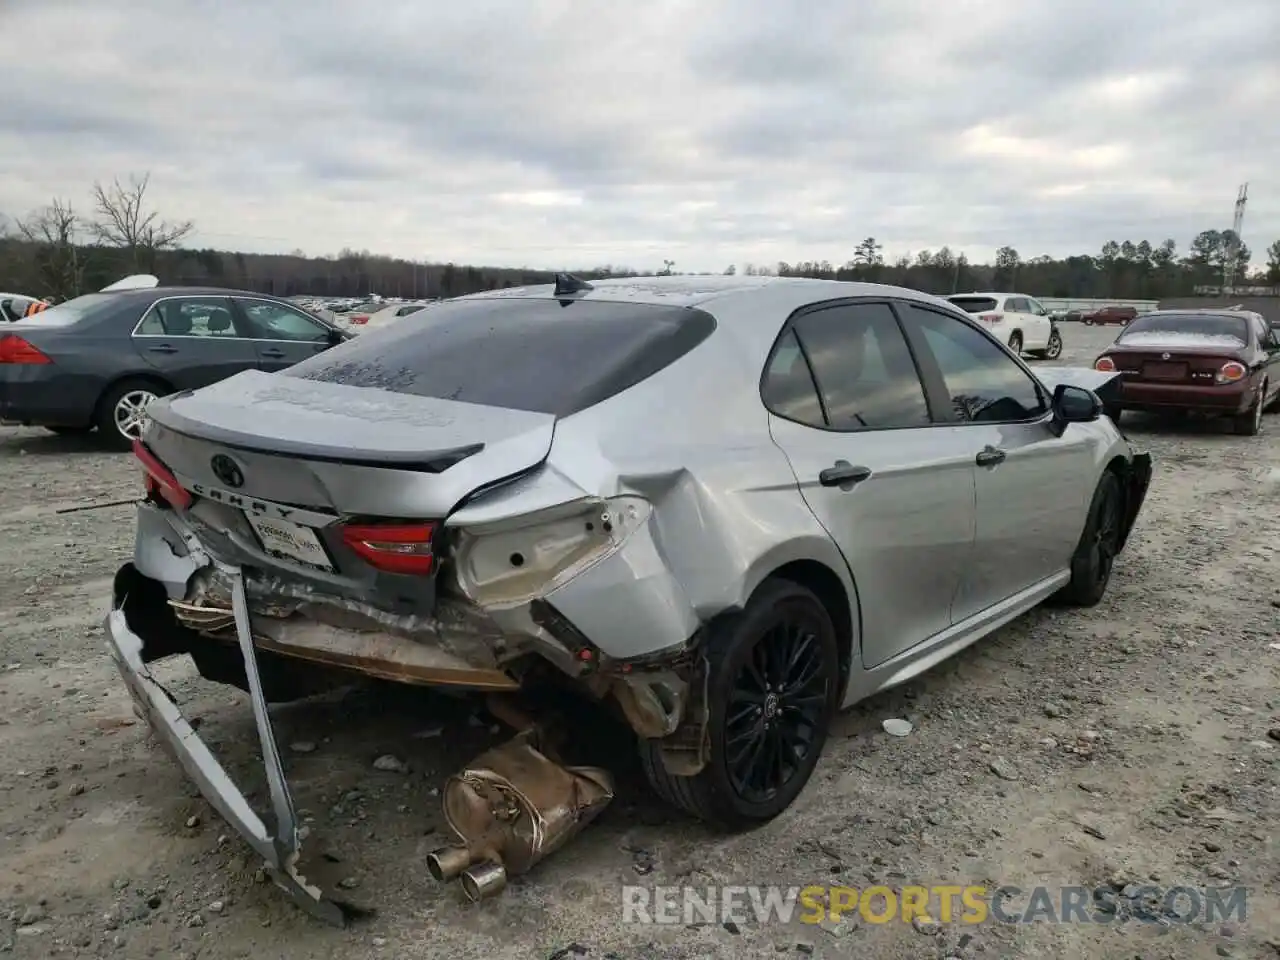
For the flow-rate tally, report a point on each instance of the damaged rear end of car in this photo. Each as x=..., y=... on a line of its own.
x=353, y=516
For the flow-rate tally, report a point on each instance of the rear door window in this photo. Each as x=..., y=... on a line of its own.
x=860, y=363
x=539, y=355
x=189, y=317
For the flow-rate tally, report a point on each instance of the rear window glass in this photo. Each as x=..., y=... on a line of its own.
x=65, y=314
x=1215, y=330
x=534, y=355
x=974, y=304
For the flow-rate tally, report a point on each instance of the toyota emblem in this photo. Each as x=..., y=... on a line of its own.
x=1164, y=356
x=227, y=470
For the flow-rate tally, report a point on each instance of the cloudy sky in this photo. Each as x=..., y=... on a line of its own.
x=581, y=132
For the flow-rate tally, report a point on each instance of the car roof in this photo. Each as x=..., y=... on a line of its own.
x=691, y=291
x=1202, y=312
x=987, y=293
x=157, y=292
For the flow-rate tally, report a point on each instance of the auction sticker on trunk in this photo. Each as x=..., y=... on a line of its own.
x=281, y=538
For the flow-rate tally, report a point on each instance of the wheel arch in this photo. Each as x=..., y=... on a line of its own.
x=831, y=590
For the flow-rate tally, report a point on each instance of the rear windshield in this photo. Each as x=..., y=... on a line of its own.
x=974, y=304
x=1210, y=328
x=520, y=354
x=65, y=314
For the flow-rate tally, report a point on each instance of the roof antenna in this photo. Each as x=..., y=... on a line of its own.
x=567, y=285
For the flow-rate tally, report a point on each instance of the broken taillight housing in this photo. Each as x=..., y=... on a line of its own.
x=13, y=349
x=1232, y=372
x=512, y=561
x=1105, y=364
x=159, y=479
x=404, y=548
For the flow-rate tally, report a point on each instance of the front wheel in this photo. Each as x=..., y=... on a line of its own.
x=1015, y=342
x=1099, y=544
x=772, y=690
x=1054, y=350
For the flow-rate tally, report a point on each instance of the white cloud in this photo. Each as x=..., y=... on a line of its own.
x=556, y=133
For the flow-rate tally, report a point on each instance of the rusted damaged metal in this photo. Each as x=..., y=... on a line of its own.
x=280, y=849
x=510, y=808
x=374, y=653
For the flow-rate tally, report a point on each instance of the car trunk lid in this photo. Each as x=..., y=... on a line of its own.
x=342, y=449
x=1174, y=357
x=342, y=488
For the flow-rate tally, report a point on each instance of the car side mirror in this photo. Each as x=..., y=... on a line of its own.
x=335, y=337
x=1073, y=404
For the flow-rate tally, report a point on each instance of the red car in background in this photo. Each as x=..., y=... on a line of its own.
x=1120, y=315
x=1224, y=362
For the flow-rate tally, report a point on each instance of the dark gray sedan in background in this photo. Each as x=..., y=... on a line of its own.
x=98, y=360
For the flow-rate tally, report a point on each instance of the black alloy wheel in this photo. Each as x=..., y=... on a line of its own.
x=776, y=708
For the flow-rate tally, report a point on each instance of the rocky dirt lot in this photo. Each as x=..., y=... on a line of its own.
x=1135, y=743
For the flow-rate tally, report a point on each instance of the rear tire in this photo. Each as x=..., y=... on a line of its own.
x=772, y=690
x=117, y=417
x=1015, y=342
x=1249, y=423
x=1095, y=555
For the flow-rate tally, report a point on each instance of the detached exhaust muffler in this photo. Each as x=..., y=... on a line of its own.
x=511, y=807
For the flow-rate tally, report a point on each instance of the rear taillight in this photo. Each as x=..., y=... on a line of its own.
x=13, y=349
x=359, y=319
x=1231, y=372
x=393, y=547
x=1105, y=364
x=991, y=317
x=159, y=479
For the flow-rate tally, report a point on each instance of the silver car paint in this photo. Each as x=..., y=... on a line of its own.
x=932, y=542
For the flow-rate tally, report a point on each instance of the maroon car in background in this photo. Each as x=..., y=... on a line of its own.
x=1104, y=315
x=1224, y=362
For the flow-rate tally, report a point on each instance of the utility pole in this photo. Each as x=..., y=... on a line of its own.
x=1233, y=247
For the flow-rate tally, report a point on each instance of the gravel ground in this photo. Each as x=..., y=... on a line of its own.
x=1133, y=743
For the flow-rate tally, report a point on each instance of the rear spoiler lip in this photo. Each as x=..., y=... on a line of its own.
x=437, y=461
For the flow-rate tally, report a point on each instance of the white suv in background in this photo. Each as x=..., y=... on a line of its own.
x=1017, y=319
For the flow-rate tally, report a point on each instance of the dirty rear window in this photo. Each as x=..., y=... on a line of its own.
x=974, y=304
x=536, y=355
x=72, y=311
x=1200, y=326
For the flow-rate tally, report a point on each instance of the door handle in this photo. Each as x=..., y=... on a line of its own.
x=273, y=353
x=990, y=456
x=843, y=475
x=164, y=348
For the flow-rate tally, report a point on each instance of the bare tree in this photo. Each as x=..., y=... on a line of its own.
x=54, y=232
x=124, y=222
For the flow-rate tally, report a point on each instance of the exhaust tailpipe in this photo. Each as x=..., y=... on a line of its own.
x=483, y=880
x=446, y=864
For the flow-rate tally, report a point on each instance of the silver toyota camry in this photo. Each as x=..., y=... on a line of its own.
x=722, y=507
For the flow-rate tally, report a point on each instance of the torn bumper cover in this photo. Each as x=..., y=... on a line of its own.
x=281, y=848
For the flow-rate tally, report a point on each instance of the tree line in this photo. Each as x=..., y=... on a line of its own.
x=59, y=252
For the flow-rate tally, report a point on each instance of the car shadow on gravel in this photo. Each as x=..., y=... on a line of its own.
x=1174, y=426
x=41, y=443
